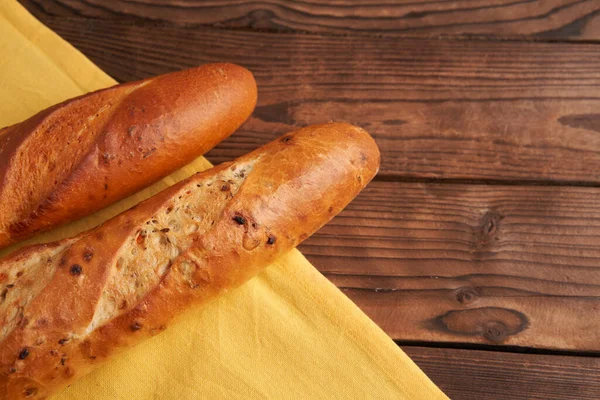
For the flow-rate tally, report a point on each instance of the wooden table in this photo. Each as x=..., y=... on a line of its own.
x=477, y=248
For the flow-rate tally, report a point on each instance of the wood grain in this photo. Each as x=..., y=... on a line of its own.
x=499, y=265
x=494, y=264
x=438, y=109
x=497, y=111
x=538, y=19
x=476, y=375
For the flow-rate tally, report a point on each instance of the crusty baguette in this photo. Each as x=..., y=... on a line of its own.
x=86, y=153
x=66, y=307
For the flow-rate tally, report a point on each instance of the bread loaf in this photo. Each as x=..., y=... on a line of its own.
x=82, y=155
x=66, y=307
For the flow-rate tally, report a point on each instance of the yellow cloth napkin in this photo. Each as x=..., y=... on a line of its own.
x=286, y=334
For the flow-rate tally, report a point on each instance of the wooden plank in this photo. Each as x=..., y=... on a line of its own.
x=500, y=265
x=476, y=375
x=438, y=109
x=542, y=130
x=538, y=19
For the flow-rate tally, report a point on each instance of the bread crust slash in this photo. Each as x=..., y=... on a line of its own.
x=82, y=300
x=88, y=152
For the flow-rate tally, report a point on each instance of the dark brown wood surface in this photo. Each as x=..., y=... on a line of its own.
x=539, y=19
x=439, y=109
x=477, y=375
x=482, y=228
x=439, y=262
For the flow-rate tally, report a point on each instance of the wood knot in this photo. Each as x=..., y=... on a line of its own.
x=590, y=122
x=488, y=229
x=466, y=295
x=495, y=331
x=494, y=324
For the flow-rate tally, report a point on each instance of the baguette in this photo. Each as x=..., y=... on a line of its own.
x=88, y=152
x=66, y=307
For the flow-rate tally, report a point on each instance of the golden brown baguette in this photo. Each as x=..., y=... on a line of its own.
x=82, y=155
x=66, y=307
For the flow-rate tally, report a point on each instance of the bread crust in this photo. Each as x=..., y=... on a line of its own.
x=247, y=213
x=88, y=152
